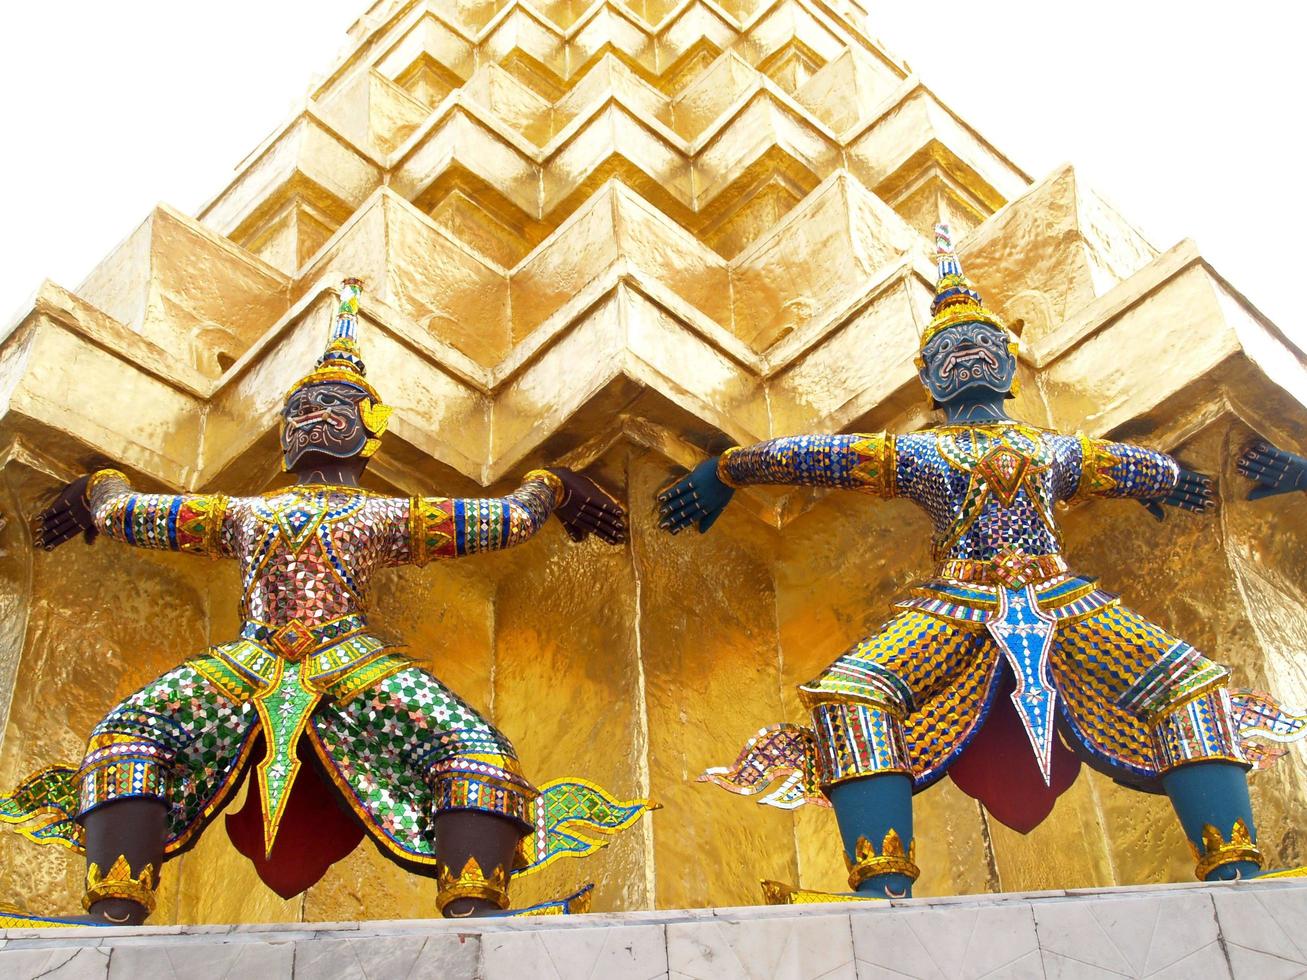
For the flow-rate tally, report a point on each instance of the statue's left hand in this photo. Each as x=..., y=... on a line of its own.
x=1275, y=471
x=587, y=509
x=697, y=498
x=1193, y=491
x=68, y=516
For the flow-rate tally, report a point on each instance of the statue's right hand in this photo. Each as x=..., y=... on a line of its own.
x=67, y=516
x=697, y=498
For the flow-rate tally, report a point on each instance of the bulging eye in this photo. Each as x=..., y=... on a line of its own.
x=330, y=399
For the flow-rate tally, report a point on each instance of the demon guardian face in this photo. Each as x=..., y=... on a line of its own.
x=968, y=362
x=323, y=418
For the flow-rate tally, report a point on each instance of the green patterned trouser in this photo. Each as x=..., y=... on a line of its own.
x=399, y=751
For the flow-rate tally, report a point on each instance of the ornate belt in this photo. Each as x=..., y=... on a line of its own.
x=1008, y=568
x=295, y=640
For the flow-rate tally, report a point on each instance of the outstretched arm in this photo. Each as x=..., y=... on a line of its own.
x=851, y=462
x=1118, y=469
x=450, y=527
x=104, y=502
x=1274, y=470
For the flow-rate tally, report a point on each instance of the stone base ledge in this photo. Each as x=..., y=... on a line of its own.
x=1242, y=929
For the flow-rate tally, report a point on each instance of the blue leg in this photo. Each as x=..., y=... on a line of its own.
x=1213, y=794
x=871, y=807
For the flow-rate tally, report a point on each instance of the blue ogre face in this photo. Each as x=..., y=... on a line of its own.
x=968, y=362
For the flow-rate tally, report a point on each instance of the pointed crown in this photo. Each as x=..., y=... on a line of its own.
x=956, y=300
x=341, y=361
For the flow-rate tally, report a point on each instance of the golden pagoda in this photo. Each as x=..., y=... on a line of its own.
x=626, y=234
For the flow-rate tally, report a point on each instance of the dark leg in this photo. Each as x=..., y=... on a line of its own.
x=1215, y=795
x=869, y=808
x=491, y=839
x=131, y=828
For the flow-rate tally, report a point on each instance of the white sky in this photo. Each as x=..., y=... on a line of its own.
x=1186, y=116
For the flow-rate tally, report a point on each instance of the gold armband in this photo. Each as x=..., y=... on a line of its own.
x=100, y=476
x=119, y=883
x=552, y=481
x=722, y=473
x=1095, y=462
x=471, y=882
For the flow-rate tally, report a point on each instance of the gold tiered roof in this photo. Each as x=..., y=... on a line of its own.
x=626, y=234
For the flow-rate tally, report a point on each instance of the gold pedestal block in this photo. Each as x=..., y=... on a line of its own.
x=626, y=235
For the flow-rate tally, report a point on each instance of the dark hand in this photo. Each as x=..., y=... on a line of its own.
x=1193, y=492
x=587, y=509
x=1275, y=471
x=699, y=497
x=68, y=516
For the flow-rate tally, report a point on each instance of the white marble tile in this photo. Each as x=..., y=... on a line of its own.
x=1132, y=936
x=606, y=953
x=67, y=963
x=200, y=960
x=1265, y=930
x=383, y=957
x=947, y=943
x=1209, y=963
x=1166, y=932
x=1057, y=967
x=796, y=948
x=1254, y=964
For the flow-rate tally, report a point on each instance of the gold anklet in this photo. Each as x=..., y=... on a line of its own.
x=119, y=883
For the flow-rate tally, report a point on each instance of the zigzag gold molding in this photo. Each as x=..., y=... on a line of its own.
x=502, y=441
x=379, y=46
x=311, y=160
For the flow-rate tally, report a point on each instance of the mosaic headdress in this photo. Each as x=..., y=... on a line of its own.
x=340, y=362
x=956, y=300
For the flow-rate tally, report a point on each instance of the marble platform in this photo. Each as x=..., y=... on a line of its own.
x=1254, y=930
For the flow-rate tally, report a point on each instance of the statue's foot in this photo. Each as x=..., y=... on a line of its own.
x=12, y=918
x=779, y=893
x=578, y=903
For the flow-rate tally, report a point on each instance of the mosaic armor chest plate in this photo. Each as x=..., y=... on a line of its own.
x=308, y=555
x=989, y=490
